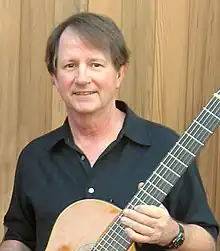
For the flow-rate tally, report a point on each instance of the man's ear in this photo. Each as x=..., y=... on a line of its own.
x=54, y=80
x=120, y=74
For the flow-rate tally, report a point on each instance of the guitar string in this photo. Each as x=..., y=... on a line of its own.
x=199, y=124
x=122, y=229
x=198, y=127
x=171, y=164
x=212, y=102
x=140, y=199
x=180, y=151
x=184, y=159
x=117, y=243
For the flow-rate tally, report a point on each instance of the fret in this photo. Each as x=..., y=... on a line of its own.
x=117, y=226
x=160, y=183
x=130, y=205
x=149, y=195
x=105, y=248
x=138, y=201
x=209, y=123
x=115, y=240
x=177, y=159
x=152, y=184
x=170, y=184
x=180, y=148
x=209, y=131
x=214, y=108
x=190, y=144
x=117, y=223
x=171, y=170
x=211, y=109
x=100, y=246
x=186, y=149
x=199, y=134
x=194, y=138
x=211, y=113
x=113, y=236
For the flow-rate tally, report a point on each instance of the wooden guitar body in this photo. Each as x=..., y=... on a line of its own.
x=81, y=224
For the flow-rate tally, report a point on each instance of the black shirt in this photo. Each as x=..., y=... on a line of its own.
x=52, y=173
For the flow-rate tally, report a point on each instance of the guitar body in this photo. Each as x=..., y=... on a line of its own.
x=81, y=224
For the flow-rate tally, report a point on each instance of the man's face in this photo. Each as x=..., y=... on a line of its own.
x=86, y=78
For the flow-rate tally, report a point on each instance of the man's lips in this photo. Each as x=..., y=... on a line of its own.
x=84, y=93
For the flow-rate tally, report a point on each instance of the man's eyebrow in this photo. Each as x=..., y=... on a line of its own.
x=98, y=59
x=68, y=60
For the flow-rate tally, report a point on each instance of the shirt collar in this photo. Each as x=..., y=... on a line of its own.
x=134, y=128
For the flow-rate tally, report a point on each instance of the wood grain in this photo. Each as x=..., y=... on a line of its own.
x=10, y=16
x=138, y=27
x=173, y=72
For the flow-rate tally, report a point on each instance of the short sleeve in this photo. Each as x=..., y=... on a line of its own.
x=19, y=219
x=187, y=202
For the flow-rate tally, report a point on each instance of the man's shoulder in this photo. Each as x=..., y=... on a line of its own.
x=160, y=131
x=42, y=143
x=147, y=130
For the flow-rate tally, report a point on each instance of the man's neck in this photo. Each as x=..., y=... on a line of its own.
x=96, y=126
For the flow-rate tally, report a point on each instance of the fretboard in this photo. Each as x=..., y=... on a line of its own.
x=165, y=176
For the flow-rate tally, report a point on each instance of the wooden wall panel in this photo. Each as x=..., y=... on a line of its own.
x=28, y=104
x=174, y=70
x=111, y=8
x=202, y=81
x=170, y=63
x=10, y=14
x=138, y=26
x=34, y=109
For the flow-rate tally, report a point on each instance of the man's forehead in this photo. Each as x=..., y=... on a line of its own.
x=71, y=38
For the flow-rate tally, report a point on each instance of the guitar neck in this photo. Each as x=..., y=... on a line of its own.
x=172, y=167
x=165, y=176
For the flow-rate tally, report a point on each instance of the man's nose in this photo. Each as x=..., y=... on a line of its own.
x=82, y=75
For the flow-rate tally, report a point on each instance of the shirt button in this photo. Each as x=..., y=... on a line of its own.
x=91, y=190
x=83, y=157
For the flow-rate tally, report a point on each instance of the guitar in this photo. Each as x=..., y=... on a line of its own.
x=97, y=224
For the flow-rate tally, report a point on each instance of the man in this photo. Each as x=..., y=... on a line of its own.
x=102, y=151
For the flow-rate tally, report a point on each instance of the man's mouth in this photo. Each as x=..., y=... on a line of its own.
x=85, y=93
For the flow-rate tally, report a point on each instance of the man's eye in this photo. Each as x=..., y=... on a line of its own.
x=96, y=65
x=70, y=65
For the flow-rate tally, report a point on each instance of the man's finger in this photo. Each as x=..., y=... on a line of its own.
x=140, y=185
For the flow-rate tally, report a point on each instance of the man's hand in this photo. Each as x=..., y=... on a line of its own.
x=150, y=224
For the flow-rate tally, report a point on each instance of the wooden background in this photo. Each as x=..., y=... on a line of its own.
x=174, y=70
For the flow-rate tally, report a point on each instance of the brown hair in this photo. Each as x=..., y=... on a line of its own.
x=99, y=31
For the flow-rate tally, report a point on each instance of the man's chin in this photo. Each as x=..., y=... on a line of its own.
x=86, y=110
